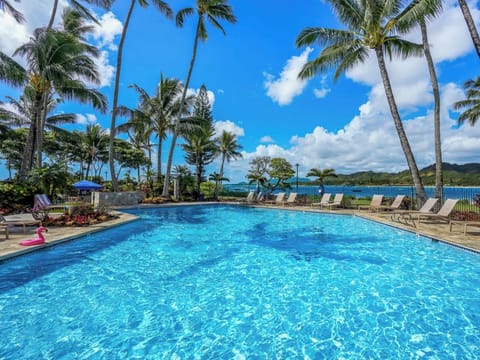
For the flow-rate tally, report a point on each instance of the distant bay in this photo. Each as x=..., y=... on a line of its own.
x=450, y=192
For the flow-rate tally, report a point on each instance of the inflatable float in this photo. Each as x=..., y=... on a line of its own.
x=37, y=241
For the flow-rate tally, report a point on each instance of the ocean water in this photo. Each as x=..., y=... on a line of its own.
x=231, y=282
x=450, y=192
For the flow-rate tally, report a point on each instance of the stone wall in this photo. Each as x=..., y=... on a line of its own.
x=117, y=199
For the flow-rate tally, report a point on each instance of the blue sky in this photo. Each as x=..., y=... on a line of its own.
x=251, y=76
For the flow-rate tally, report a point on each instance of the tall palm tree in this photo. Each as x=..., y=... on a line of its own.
x=207, y=10
x=321, y=175
x=436, y=110
x=228, y=148
x=471, y=103
x=164, y=8
x=156, y=113
x=6, y=7
x=470, y=24
x=370, y=26
x=56, y=63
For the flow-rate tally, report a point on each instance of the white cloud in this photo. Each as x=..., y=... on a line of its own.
x=86, y=119
x=266, y=139
x=107, y=30
x=37, y=14
x=228, y=126
x=288, y=85
x=370, y=142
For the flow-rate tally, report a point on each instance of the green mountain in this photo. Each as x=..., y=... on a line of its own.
x=453, y=175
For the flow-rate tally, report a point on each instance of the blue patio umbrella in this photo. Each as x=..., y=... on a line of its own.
x=87, y=185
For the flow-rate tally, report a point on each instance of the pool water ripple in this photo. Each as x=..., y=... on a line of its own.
x=216, y=282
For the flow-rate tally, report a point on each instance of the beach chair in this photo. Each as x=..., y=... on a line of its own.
x=249, y=197
x=465, y=224
x=42, y=205
x=374, y=204
x=278, y=200
x=22, y=220
x=4, y=228
x=442, y=215
x=292, y=198
x=324, y=200
x=337, y=202
x=397, y=202
x=407, y=216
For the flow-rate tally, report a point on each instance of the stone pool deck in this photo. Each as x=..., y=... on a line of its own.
x=434, y=230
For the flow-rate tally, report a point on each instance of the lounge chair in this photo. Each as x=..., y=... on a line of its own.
x=466, y=224
x=278, y=200
x=337, y=201
x=407, y=216
x=292, y=198
x=395, y=204
x=324, y=200
x=42, y=204
x=4, y=228
x=249, y=197
x=443, y=214
x=374, y=204
x=23, y=220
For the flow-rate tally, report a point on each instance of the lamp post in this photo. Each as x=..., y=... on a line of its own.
x=297, y=175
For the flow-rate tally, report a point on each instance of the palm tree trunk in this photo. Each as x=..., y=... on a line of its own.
x=52, y=14
x=221, y=176
x=40, y=128
x=166, y=182
x=470, y=24
x=28, y=152
x=436, y=113
x=115, y=99
x=412, y=165
x=159, y=160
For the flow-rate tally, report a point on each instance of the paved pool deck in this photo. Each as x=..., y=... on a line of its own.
x=437, y=231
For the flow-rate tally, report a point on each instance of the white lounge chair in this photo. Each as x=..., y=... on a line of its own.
x=397, y=202
x=324, y=200
x=278, y=200
x=443, y=214
x=291, y=199
x=407, y=216
x=337, y=201
x=374, y=204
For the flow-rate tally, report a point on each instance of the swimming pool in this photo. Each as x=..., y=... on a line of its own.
x=217, y=282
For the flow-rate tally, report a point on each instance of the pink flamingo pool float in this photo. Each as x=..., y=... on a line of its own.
x=37, y=241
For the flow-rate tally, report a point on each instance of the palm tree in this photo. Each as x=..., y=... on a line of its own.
x=471, y=103
x=228, y=148
x=78, y=7
x=57, y=63
x=163, y=7
x=218, y=180
x=470, y=24
x=156, y=113
x=207, y=10
x=6, y=7
x=321, y=175
x=370, y=26
x=436, y=110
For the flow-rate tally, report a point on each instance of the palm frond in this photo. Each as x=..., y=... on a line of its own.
x=182, y=14
x=402, y=48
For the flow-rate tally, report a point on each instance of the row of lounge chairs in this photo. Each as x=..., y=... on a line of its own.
x=279, y=199
x=424, y=214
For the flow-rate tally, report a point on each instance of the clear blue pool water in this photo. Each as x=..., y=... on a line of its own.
x=226, y=282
